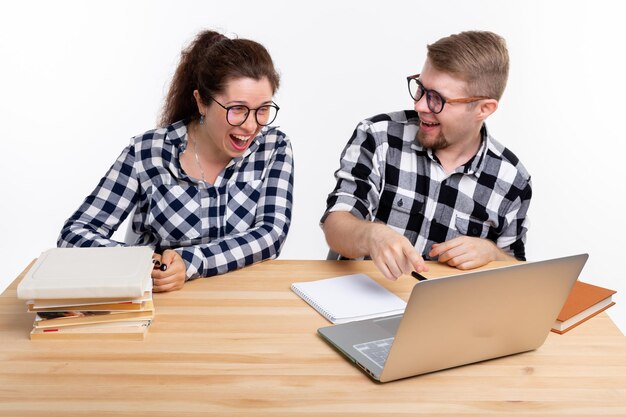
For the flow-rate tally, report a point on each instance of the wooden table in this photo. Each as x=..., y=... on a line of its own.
x=244, y=344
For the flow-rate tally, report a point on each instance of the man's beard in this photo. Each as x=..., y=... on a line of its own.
x=439, y=142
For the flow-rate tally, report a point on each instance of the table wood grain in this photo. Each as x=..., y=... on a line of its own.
x=244, y=344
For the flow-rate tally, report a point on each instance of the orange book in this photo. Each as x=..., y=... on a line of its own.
x=584, y=302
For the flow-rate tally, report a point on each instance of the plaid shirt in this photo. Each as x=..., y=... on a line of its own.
x=243, y=218
x=385, y=175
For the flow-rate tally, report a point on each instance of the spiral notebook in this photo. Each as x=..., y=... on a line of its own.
x=349, y=298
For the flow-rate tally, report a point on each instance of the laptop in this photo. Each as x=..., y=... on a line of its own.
x=461, y=319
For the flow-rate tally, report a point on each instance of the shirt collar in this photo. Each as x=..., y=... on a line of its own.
x=472, y=167
x=476, y=165
x=176, y=133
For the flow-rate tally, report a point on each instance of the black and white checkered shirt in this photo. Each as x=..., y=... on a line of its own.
x=243, y=218
x=386, y=175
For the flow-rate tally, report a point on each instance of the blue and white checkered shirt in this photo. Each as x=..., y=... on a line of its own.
x=386, y=176
x=241, y=219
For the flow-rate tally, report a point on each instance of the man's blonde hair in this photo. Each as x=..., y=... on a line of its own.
x=479, y=58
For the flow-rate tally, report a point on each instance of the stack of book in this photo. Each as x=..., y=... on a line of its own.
x=87, y=293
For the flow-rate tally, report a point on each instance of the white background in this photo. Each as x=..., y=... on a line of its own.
x=78, y=79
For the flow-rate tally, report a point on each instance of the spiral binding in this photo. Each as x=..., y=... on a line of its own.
x=312, y=303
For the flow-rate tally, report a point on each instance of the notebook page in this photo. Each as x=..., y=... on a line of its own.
x=348, y=298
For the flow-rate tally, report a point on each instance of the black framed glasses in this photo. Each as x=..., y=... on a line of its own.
x=434, y=100
x=238, y=114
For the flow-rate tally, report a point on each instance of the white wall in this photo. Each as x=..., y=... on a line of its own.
x=78, y=79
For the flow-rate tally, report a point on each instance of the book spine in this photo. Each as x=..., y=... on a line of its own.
x=313, y=303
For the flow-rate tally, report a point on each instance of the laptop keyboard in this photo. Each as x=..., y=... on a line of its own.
x=377, y=350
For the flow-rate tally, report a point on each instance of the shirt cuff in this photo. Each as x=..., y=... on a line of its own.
x=193, y=263
x=349, y=204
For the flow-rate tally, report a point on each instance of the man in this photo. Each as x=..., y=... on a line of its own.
x=432, y=183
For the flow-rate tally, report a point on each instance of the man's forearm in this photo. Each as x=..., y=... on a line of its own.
x=346, y=234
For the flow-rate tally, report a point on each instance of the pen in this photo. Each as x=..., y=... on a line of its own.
x=163, y=267
x=418, y=276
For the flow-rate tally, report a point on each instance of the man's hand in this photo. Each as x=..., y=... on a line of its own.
x=169, y=272
x=465, y=252
x=392, y=253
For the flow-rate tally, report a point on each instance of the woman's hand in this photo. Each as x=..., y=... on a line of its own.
x=169, y=272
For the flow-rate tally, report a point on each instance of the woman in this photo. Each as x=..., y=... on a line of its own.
x=211, y=190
